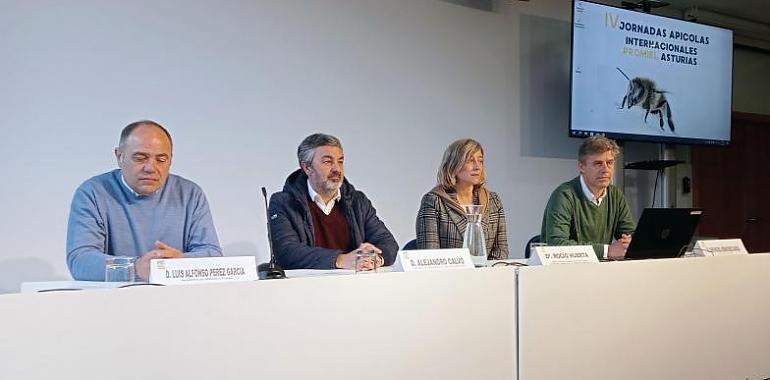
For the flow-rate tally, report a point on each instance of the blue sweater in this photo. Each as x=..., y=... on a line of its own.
x=107, y=218
x=291, y=226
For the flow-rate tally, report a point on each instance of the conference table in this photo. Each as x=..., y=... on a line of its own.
x=693, y=318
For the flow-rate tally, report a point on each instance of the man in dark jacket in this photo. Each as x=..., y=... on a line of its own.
x=320, y=220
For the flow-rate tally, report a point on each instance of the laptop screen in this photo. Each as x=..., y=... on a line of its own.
x=663, y=232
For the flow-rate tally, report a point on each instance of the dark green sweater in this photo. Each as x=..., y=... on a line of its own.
x=571, y=219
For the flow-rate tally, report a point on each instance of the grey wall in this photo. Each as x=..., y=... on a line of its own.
x=240, y=83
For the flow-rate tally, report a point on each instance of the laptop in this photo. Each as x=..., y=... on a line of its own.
x=663, y=233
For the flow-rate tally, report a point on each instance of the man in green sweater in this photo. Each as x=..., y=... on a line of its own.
x=588, y=209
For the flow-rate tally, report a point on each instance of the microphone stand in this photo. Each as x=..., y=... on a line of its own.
x=269, y=270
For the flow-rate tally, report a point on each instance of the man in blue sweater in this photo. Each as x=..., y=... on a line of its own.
x=139, y=210
x=320, y=220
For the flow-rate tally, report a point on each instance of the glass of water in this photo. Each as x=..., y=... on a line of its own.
x=366, y=261
x=120, y=269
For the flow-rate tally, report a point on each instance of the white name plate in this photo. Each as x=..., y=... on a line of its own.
x=433, y=259
x=203, y=269
x=562, y=254
x=719, y=247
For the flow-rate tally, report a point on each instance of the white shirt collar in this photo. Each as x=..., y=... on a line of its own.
x=123, y=179
x=325, y=207
x=589, y=195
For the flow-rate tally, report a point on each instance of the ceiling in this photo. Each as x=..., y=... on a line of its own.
x=750, y=19
x=754, y=10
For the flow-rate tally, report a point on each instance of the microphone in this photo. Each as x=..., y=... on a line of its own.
x=269, y=270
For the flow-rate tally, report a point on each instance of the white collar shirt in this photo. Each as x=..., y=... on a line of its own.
x=597, y=201
x=325, y=207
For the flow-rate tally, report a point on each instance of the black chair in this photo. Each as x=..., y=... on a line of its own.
x=411, y=245
x=534, y=239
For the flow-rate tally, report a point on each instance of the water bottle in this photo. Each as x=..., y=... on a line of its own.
x=474, y=239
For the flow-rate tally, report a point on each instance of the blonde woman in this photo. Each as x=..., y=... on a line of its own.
x=441, y=221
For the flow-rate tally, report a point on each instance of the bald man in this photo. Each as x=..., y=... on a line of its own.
x=138, y=210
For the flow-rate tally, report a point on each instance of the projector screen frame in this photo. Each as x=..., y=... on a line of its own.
x=644, y=137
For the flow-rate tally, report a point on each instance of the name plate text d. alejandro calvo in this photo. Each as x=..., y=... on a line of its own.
x=562, y=254
x=195, y=270
x=719, y=247
x=433, y=259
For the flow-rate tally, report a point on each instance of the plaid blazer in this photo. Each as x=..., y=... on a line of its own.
x=441, y=223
